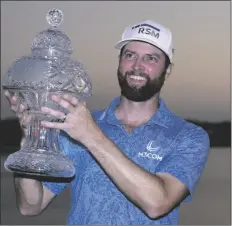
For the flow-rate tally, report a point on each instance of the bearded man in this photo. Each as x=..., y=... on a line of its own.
x=136, y=161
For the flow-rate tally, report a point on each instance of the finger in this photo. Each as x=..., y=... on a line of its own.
x=73, y=100
x=18, y=108
x=25, y=119
x=11, y=98
x=13, y=101
x=64, y=103
x=21, y=108
x=57, y=114
x=54, y=125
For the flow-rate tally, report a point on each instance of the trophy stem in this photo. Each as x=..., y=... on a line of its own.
x=41, y=138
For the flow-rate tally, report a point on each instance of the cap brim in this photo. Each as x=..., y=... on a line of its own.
x=120, y=44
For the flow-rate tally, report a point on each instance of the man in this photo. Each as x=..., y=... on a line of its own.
x=136, y=161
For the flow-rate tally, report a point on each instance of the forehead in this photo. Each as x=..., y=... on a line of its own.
x=142, y=48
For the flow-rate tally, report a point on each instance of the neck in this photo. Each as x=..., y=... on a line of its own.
x=136, y=113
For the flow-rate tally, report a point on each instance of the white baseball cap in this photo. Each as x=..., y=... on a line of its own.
x=150, y=32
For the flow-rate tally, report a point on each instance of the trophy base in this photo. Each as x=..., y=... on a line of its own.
x=40, y=163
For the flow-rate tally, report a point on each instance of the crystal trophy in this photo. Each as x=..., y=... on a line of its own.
x=48, y=70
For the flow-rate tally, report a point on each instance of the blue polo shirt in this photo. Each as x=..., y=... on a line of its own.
x=166, y=143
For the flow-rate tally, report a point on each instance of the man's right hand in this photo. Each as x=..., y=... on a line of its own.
x=21, y=113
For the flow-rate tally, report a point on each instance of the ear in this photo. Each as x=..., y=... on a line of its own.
x=169, y=70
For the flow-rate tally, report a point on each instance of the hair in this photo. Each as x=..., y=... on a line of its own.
x=167, y=60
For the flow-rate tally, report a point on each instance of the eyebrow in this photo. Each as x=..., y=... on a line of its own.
x=127, y=50
x=155, y=54
x=149, y=54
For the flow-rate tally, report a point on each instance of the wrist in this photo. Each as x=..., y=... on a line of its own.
x=89, y=135
x=94, y=138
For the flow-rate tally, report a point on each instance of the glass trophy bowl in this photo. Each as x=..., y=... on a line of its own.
x=48, y=70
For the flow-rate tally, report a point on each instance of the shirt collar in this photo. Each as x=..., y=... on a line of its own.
x=162, y=116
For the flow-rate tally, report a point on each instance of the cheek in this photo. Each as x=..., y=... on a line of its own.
x=125, y=66
x=155, y=70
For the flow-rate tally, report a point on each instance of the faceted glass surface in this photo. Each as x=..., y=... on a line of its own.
x=48, y=70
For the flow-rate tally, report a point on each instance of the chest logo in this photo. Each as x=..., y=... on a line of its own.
x=150, y=147
x=150, y=152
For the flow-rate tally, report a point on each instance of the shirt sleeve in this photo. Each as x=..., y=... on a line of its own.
x=188, y=159
x=58, y=187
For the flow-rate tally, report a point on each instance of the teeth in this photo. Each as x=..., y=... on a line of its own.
x=137, y=77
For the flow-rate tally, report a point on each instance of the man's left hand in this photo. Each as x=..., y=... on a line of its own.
x=78, y=123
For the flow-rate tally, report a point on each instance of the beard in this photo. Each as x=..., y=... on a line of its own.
x=142, y=93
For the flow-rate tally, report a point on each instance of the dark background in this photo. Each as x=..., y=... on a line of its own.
x=219, y=133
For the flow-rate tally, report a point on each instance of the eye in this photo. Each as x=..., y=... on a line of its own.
x=152, y=58
x=129, y=55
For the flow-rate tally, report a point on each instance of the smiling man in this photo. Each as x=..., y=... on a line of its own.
x=136, y=161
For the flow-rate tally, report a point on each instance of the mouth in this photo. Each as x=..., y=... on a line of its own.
x=137, y=78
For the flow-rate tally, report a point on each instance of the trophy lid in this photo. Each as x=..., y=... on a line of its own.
x=52, y=42
x=49, y=67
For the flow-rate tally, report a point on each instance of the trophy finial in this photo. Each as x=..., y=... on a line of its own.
x=54, y=17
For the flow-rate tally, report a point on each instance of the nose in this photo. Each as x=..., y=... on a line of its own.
x=137, y=64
